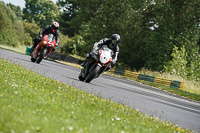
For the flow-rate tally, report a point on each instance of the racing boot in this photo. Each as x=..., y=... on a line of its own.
x=32, y=48
x=83, y=64
x=35, y=42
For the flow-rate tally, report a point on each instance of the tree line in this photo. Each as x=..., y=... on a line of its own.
x=155, y=35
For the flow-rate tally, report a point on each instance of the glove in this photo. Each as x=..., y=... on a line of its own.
x=93, y=52
x=113, y=61
x=40, y=38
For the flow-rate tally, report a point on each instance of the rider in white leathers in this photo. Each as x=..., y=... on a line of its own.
x=112, y=43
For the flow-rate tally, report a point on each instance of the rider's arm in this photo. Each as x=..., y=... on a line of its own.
x=99, y=44
x=57, y=38
x=41, y=33
x=115, y=56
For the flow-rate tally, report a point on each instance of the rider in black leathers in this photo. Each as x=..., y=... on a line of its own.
x=49, y=29
x=112, y=43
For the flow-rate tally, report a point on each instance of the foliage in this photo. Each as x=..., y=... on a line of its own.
x=42, y=12
x=75, y=46
x=186, y=60
x=12, y=26
x=63, y=41
x=178, y=66
x=7, y=32
x=149, y=30
x=17, y=10
x=32, y=28
x=69, y=9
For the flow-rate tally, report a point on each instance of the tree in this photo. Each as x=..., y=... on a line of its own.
x=149, y=29
x=68, y=8
x=42, y=12
x=16, y=9
x=7, y=32
x=32, y=29
x=11, y=26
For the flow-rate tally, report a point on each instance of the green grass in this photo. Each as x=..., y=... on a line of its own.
x=30, y=103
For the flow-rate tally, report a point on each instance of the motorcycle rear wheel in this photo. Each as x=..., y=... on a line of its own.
x=92, y=74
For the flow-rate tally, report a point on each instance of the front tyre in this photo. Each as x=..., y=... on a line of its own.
x=33, y=60
x=92, y=74
x=80, y=77
x=41, y=55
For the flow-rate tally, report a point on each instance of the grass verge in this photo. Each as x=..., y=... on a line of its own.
x=30, y=102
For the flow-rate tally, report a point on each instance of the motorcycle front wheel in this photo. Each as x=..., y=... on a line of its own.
x=92, y=74
x=41, y=55
x=80, y=77
x=32, y=59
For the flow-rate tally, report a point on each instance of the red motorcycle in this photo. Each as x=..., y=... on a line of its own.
x=43, y=49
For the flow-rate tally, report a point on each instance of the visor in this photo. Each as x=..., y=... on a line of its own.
x=115, y=42
x=54, y=28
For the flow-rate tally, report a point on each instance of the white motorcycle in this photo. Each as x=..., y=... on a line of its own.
x=96, y=65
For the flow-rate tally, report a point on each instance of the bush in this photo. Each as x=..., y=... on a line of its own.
x=178, y=65
x=74, y=46
x=186, y=59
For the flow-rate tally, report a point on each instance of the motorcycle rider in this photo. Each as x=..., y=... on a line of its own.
x=49, y=29
x=112, y=43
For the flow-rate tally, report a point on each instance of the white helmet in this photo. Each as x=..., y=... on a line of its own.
x=55, y=25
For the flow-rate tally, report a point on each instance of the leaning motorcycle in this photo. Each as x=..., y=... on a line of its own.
x=43, y=49
x=96, y=65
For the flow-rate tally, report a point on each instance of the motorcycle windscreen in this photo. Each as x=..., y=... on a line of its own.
x=51, y=39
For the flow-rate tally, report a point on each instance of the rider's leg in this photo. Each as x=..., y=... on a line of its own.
x=35, y=42
x=86, y=60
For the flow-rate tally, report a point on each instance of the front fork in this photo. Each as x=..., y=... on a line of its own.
x=35, y=53
x=87, y=67
x=40, y=46
x=49, y=51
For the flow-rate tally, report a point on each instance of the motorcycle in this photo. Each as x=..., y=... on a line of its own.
x=96, y=65
x=43, y=49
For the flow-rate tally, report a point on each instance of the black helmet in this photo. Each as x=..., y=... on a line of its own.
x=115, y=38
